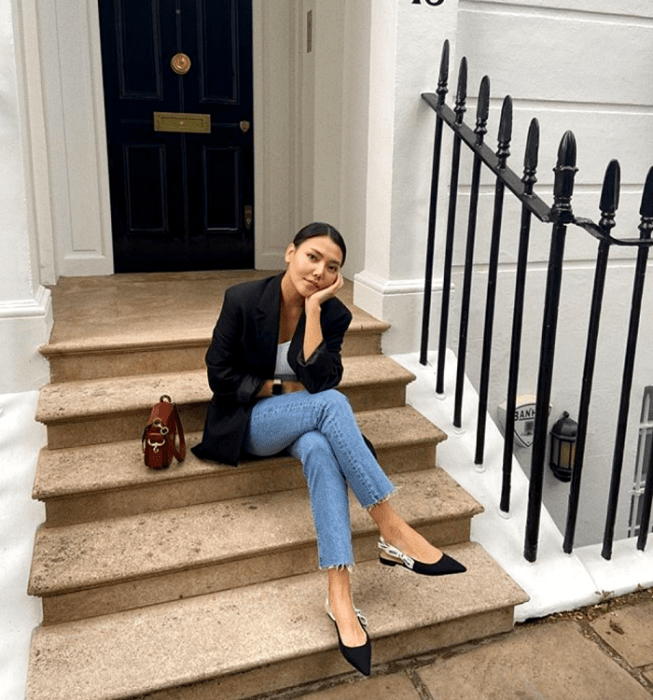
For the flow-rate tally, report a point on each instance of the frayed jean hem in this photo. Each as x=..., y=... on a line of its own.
x=385, y=498
x=338, y=567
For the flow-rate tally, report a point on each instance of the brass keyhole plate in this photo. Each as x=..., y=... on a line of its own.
x=180, y=63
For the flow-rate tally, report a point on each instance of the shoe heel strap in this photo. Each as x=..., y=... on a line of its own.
x=359, y=614
x=396, y=553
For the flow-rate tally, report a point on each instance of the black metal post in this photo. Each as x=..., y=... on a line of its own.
x=460, y=109
x=480, y=131
x=565, y=172
x=646, y=225
x=435, y=178
x=503, y=152
x=609, y=205
x=529, y=179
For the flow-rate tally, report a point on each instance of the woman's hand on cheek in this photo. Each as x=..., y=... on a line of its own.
x=323, y=295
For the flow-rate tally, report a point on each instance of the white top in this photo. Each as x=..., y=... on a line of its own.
x=282, y=369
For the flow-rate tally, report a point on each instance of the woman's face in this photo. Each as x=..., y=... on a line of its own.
x=314, y=264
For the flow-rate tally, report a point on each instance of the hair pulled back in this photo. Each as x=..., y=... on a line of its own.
x=318, y=228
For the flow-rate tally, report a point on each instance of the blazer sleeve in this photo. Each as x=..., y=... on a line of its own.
x=227, y=374
x=323, y=370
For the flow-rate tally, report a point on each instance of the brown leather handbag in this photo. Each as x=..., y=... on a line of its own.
x=161, y=433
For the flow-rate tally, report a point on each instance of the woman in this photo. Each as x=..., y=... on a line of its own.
x=273, y=366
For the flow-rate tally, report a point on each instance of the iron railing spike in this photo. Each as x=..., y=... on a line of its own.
x=646, y=210
x=505, y=131
x=482, y=110
x=443, y=82
x=565, y=171
x=461, y=92
x=610, y=195
x=567, y=150
x=531, y=156
x=505, y=125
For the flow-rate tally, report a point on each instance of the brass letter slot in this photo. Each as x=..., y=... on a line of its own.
x=182, y=123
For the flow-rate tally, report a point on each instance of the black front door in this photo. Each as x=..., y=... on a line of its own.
x=179, y=106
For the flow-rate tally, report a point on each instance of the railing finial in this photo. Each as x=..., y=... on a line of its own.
x=482, y=110
x=461, y=93
x=531, y=157
x=646, y=209
x=565, y=172
x=610, y=196
x=505, y=132
x=443, y=82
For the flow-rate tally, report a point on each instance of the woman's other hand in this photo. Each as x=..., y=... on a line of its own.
x=290, y=386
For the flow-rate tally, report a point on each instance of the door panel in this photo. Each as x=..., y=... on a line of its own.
x=221, y=167
x=145, y=182
x=179, y=199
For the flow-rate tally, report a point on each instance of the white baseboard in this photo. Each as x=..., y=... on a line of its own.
x=400, y=302
x=86, y=265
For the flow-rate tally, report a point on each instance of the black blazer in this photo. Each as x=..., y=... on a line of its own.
x=243, y=355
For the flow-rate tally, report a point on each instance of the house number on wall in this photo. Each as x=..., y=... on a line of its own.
x=433, y=3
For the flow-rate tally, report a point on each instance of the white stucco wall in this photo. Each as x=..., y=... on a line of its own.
x=25, y=313
x=20, y=516
x=406, y=43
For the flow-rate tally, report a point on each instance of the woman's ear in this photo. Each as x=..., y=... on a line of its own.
x=290, y=251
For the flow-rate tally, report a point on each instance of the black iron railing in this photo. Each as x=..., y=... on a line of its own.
x=560, y=215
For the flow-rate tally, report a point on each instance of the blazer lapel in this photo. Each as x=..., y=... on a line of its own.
x=267, y=324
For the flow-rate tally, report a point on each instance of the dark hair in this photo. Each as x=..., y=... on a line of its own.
x=317, y=228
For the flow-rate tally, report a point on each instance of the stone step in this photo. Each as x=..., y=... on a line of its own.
x=89, y=412
x=74, y=360
x=94, y=482
x=121, y=326
x=99, y=568
x=234, y=644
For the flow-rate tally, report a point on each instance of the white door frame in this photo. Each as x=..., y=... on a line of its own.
x=65, y=46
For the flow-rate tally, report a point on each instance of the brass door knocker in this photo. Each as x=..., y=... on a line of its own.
x=180, y=63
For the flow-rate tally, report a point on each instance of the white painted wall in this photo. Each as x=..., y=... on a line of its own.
x=20, y=516
x=335, y=115
x=405, y=48
x=25, y=314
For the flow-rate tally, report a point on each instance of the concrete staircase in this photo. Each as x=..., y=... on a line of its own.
x=201, y=581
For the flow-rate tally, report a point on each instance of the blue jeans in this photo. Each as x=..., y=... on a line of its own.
x=320, y=430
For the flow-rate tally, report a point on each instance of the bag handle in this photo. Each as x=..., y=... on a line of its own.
x=181, y=453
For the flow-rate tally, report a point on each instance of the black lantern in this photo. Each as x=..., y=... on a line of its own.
x=563, y=447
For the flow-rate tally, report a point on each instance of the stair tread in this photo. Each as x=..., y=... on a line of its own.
x=93, y=468
x=61, y=402
x=165, y=646
x=97, y=322
x=76, y=557
x=173, y=338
